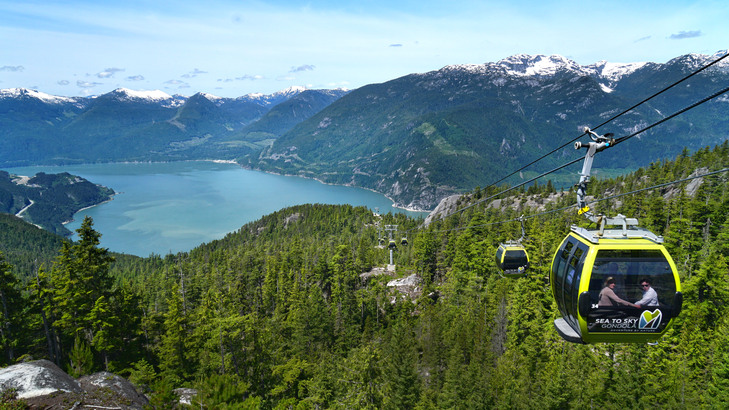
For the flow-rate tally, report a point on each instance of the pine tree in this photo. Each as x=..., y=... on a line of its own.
x=402, y=384
x=81, y=359
x=172, y=348
x=42, y=303
x=81, y=274
x=10, y=303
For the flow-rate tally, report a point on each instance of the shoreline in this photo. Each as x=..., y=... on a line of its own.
x=89, y=207
x=394, y=203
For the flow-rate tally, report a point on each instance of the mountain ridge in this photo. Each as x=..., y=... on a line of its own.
x=129, y=125
x=416, y=138
x=424, y=136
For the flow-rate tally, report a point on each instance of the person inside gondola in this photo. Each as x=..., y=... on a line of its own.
x=608, y=296
x=650, y=297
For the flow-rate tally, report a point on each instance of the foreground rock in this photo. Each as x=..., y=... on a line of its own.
x=105, y=383
x=42, y=384
x=37, y=378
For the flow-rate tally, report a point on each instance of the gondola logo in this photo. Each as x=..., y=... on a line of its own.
x=650, y=320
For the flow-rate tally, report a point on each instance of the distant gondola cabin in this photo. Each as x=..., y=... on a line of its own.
x=512, y=258
x=614, y=289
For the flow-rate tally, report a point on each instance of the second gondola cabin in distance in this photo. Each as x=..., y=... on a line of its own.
x=512, y=259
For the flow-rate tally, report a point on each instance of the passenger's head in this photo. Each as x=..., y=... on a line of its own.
x=609, y=281
x=645, y=283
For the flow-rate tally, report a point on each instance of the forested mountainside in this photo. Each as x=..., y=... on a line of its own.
x=127, y=125
x=289, y=312
x=26, y=246
x=421, y=137
x=49, y=200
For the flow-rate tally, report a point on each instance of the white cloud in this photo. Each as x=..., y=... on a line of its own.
x=305, y=67
x=87, y=84
x=194, y=73
x=685, y=34
x=178, y=83
x=109, y=72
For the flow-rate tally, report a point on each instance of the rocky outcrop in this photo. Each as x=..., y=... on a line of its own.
x=113, y=385
x=186, y=395
x=445, y=207
x=407, y=287
x=42, y=384
x=37, y=378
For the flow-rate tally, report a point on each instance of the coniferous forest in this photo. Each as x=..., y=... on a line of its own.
x=288, y=312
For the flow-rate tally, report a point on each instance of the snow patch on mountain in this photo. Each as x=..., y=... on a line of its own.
x=213, y=98
x=155, y=95
x=537, y=65
x=614, y=71
x=524, y=65
x=47, y=98
x=293, y=90
x=275, y=98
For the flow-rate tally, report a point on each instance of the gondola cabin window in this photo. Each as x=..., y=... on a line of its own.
x=515, y=259
x=630, y=291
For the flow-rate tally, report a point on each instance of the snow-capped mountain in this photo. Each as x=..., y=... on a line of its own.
x=423, y=136
x=20, y=93
x=129, y=124
x=275, y=98
x=416, y=138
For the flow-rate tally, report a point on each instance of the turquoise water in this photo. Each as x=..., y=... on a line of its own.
x=166, y=208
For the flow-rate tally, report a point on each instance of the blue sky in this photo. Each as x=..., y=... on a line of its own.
x=233, y=48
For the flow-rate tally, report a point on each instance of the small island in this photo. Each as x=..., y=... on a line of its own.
x=49, y=200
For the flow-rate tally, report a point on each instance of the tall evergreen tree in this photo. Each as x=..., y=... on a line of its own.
x=10, y=304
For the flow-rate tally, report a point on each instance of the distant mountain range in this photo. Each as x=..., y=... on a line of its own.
x=416, y=138
x=126, y=125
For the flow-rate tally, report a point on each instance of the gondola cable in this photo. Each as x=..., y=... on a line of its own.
x=694, y=105
x=565, y=208
x=613, y=118
x=616, y=141
x=600, y=125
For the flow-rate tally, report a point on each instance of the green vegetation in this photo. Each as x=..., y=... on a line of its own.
x=280, y=315
x=49, y=200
